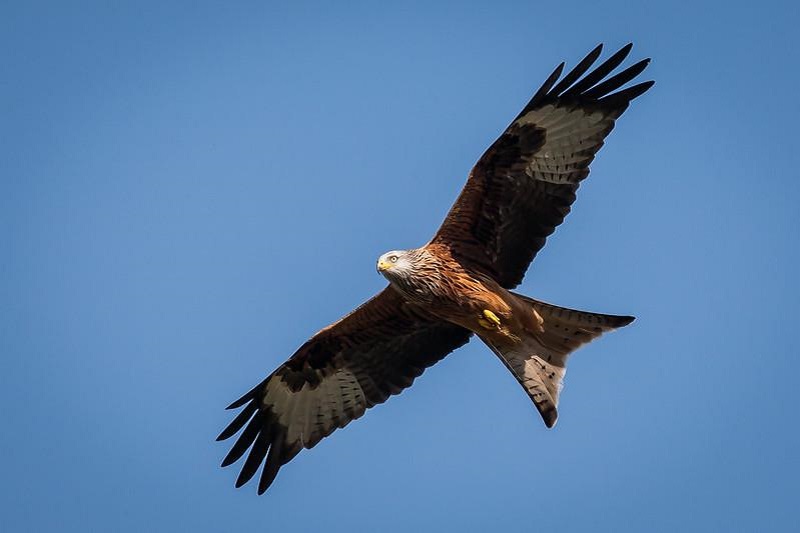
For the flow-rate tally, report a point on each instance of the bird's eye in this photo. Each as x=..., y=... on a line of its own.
x=393, y=259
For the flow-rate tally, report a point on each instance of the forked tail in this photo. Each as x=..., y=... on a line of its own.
x=539, y=360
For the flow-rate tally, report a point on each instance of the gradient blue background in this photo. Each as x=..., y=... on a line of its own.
x=190, y=191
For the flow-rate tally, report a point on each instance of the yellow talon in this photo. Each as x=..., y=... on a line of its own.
x=492, y=320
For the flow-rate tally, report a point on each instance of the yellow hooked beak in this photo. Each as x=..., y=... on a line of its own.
x=383, y=266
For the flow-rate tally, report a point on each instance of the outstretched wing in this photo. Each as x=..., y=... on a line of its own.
x=374, y=352
x=525, y=183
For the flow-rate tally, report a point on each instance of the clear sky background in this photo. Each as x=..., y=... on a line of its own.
x=189, y=191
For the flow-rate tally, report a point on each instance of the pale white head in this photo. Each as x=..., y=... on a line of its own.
x=394, y=264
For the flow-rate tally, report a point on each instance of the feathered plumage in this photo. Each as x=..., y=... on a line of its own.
x=519, y=191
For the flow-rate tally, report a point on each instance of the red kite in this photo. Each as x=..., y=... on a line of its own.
x=456, y=285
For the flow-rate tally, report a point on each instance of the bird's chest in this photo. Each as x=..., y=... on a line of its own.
x=426, y=292
x=458, y=297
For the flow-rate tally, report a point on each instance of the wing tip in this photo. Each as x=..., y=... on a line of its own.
x=228, y=461
x=546, y=87
x=275, y=459
x=625, y=320
x=572, y=83
x=249, y=395
x=550, y=418
x=264, y=483
x=621, y=99
x=240, y=402
x=594, y=85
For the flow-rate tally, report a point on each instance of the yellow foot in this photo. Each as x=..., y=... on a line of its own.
x=490, y=321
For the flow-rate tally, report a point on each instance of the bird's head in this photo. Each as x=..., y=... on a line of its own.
x=394, y=264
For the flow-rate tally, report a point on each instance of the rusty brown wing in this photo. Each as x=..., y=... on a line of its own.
x=524, y=185
x=374, y=352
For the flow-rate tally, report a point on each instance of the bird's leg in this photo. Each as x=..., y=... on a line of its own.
x=489, y=320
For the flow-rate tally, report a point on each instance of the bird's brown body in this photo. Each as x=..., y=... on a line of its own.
x=457, y=285
x=462, y=295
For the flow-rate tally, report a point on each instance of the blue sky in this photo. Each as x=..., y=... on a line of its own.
x=190, y=190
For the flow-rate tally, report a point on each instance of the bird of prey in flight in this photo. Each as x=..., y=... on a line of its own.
x=457, y=285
